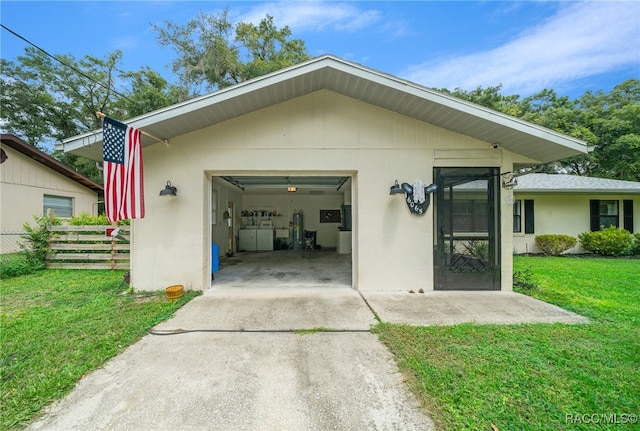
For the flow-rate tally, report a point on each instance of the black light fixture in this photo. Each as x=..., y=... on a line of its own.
x=509, y=180
x=396, y=189
x=169, y=190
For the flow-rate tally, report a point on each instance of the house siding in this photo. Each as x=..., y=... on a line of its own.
x=24, y=182
x=568, y=214
x=322, y=132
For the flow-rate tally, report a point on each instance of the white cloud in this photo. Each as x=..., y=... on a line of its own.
x=582, y=39
x=314, y=15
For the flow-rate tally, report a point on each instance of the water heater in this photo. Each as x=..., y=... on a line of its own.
x=298, y=231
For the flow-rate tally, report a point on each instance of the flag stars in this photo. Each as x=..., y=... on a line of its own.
x=114, y=138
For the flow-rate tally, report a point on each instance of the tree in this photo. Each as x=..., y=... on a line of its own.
x=147, y=92
x=491, y=98
x=214, y=54
x=614, y=118
x=45, y=101
x=608, y=122
x=48, y=101
x=549, y=110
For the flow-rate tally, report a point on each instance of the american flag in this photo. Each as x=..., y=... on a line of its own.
x=122, y=167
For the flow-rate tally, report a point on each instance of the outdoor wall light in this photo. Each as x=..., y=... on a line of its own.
x=417, y=195
x=169, y=190
x=397, y=188
x=509, y=180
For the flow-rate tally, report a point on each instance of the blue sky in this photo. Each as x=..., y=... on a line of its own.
x=525, y=46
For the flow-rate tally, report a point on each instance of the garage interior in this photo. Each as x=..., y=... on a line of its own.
x=280, y=231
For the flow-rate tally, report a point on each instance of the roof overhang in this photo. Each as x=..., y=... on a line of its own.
x=352, y=80
x=32, y=152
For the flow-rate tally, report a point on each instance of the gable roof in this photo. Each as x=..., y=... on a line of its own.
x=550, y=183
x=355, y=81
x=32, y=152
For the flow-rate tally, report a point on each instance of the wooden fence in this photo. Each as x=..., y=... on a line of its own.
x=88, y=247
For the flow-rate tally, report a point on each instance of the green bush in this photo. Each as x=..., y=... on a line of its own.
x=37, y=241
x=14, y=265
x=634, y=250
x=523, y=280
x=607, y=242
x=555, y=244
x=86, y=219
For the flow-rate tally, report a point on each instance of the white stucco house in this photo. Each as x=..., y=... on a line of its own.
x=31, y=182
x=340, y=135
x=571, y=205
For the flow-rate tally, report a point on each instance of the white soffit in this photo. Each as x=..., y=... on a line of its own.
x=355, y=81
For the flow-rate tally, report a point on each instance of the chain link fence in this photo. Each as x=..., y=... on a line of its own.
x=10, y=242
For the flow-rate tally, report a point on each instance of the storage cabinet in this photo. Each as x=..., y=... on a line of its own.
x=264, y=239
x=255, y=239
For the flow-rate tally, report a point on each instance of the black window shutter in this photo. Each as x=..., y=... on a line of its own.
x=594, y=205
x=627, y=207
x=529, y=221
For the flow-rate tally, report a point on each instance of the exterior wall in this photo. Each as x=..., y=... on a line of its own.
x=567, y=214
x=24, y=182
x=320, y=133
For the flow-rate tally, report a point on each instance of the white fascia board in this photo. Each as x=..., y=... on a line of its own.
x=464, y=106
x=361, y=72
x=197, y=103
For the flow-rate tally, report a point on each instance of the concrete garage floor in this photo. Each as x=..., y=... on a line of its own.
x=229, y=361
x=284, y=268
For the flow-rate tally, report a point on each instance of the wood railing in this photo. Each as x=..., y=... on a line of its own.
x=88, y=247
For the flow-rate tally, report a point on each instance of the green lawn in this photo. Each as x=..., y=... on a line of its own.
x=57, y=326
x=536, y=376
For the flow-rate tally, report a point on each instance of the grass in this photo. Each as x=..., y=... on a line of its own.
x=14, y=265
x=535, y=376
x=58, y=325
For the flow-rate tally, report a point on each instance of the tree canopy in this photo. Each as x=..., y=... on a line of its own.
x=214, y=53
x=45, y=100
x=608, y=122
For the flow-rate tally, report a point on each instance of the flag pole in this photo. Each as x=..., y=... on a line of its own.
x=101, y=115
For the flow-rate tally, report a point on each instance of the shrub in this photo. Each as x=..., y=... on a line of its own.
x=634, y=249
x=555, y=244
x=607, y=242
x=14, y=265
x=37, y=241
x=524, y=280
x=86, y=219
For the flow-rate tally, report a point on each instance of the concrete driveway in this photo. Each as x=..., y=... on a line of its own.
x=224, y=377
x=228, y=361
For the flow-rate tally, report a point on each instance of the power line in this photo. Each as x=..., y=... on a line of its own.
x=78, y=71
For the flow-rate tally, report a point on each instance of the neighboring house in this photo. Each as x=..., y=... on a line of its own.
x=340, y=134
x=570, y=205
x=31, y=182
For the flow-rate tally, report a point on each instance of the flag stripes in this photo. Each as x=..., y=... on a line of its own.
x=123, y=171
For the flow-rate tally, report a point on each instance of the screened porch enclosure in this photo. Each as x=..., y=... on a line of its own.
x=467, y=249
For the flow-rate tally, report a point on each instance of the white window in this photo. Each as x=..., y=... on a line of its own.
x=517, y=216
x=62, y=206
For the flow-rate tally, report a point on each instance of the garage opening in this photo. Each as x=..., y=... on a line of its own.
x=282, y=230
